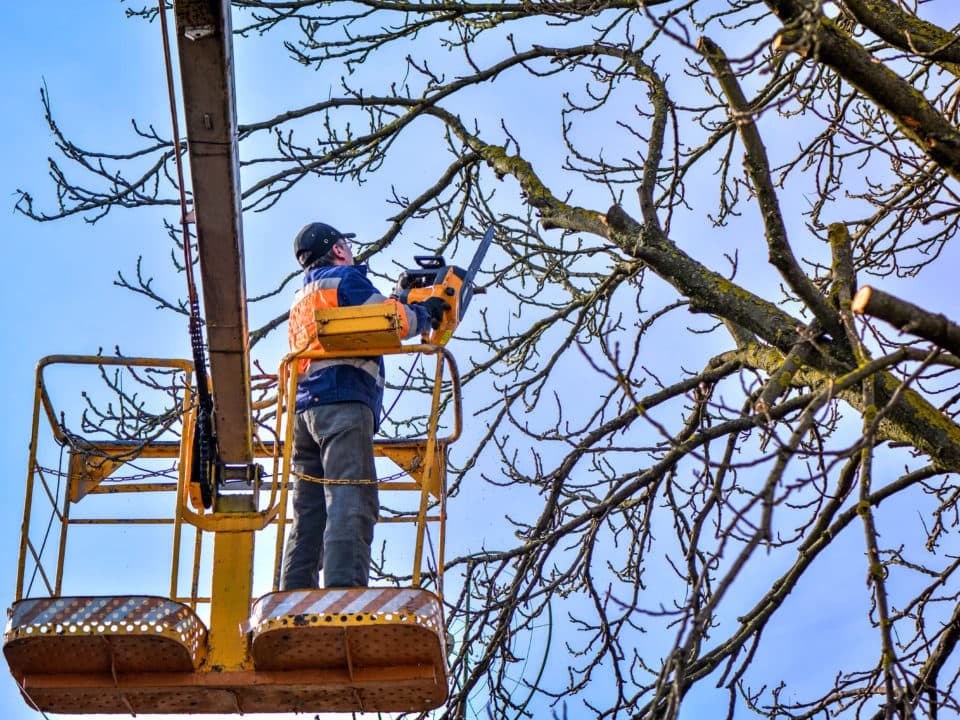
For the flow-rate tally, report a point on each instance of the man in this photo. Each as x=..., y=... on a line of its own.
x=337, y=414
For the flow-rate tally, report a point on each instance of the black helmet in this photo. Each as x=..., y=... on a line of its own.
x=315, y=241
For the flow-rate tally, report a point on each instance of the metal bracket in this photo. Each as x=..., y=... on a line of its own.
x=250, y=474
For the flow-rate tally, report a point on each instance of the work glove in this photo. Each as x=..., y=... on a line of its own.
x=435, y=308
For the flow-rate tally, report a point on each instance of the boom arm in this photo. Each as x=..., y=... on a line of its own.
x=206, y=69
x=205, y=44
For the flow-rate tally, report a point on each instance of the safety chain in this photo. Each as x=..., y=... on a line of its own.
x=331, y=481
x=170, y=473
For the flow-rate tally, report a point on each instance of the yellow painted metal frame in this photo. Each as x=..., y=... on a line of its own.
x=89, y=474
x=226, y=650
x=424, y=459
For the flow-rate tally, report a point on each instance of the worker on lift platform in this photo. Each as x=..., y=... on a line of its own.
x=338, y=404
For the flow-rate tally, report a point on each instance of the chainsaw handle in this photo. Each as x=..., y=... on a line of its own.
x=429, y=262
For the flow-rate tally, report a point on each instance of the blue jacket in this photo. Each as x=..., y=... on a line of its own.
x=349, y=379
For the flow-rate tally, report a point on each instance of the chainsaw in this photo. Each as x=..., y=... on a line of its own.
x=434, y=278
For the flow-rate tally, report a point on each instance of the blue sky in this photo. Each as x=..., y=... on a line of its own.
x=58, y=293
x=100, y=69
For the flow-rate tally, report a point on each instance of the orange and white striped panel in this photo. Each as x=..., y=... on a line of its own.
x=346, y=606
x=137, y=614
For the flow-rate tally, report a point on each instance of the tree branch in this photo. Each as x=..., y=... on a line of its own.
x=813, y=36
x=908, y=318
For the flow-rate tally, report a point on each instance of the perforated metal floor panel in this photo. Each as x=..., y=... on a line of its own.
x=313, y=651
x=72, y=649
x=389, y=633
x=102, y=634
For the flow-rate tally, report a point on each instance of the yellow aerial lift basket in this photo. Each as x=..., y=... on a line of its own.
x=179, y=651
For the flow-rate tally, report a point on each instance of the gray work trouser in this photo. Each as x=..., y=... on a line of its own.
x=333, y=522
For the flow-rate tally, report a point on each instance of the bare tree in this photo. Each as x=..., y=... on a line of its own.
x=695, y=446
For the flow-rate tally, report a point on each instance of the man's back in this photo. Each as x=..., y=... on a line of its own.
x=342, y=379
